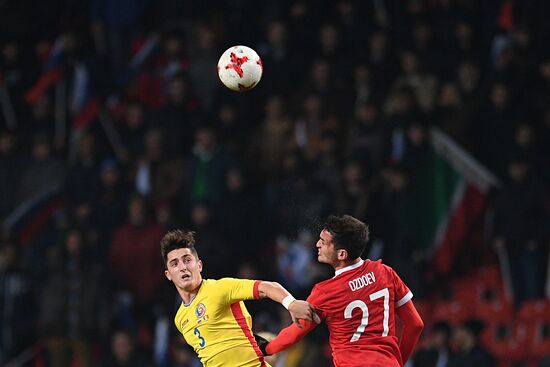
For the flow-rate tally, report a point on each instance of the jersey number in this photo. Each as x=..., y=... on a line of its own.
x=365, y=319
x=198, y=334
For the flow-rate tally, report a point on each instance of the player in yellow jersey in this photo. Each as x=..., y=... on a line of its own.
x=212, y=317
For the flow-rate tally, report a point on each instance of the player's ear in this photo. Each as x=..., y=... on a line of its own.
x=342, y=254
x=199, y=264
x=167, y=274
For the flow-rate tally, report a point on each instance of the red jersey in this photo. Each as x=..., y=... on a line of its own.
x=358, y=305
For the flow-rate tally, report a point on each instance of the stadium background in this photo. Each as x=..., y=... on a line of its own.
x=429, y=120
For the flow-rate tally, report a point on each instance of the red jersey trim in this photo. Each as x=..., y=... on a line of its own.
x=241, y=321
x=256, y=290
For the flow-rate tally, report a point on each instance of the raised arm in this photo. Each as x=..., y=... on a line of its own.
x=412, y=328
x=299, y=310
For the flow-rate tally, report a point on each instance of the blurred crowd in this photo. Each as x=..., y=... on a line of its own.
x=136, y=135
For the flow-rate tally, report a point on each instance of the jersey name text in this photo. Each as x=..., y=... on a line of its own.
x=362, y=281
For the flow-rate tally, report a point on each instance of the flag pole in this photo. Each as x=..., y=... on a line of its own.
x=113, y=135
x=7, y=107
x=505, y=271
x=60, y=112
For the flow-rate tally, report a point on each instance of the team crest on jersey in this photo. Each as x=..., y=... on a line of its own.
x=200, y=310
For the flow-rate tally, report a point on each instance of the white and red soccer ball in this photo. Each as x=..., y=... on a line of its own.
x=240, y=68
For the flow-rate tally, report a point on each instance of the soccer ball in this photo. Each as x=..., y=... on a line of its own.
x=240, y=68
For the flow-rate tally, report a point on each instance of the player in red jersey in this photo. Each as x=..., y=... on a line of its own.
x=359, y=303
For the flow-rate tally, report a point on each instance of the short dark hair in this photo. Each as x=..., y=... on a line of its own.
x=348, y=233
x=175, y=239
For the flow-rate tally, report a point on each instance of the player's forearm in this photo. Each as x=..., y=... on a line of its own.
x=299, y=310
x=273, y=291
x=289, y=336
x=412, y=328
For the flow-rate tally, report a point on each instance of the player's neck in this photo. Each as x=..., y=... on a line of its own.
x=188, y=296
x=345, y=264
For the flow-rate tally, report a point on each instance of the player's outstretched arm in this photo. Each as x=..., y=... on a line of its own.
x=287, y=337
x=299, y=310
x=412, y=328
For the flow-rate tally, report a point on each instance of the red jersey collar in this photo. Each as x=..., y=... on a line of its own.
x=350, y=267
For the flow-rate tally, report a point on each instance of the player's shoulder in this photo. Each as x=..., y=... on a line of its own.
x=323, y=284
x=380, y=266
x=227, y=282
x=214, y=283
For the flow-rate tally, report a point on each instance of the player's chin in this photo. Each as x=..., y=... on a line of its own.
x=186, y=282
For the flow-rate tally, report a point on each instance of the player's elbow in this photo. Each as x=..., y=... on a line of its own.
x=417, y=325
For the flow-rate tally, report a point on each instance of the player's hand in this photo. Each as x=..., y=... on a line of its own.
x=262, y=343
x=301, y=310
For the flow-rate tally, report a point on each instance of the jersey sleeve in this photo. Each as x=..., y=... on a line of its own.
x=232, y=290
x=402, y=293
x=315, y=299
x=289, y=336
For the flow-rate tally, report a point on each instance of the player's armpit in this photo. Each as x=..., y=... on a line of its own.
x=289, y=336
x=412, y=328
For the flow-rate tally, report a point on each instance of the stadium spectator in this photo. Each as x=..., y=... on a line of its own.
x=123, y=351
x=81, y=181
x=295, y=263
x=180, y=116
x=133, y=246
x=240, y=207
x=109, y=206
x=519, y=229
x=114, y=26
x=276, y=54
x=10, y=172
x=353, y=195
x=365, y=141
x=203, y=57
x=183, y=354
x=17, y=308
x=205, y=168
x=43, y=172
x=72, y=303
x=213, y=244
x=469, y=350
x=133, y=130
x=496, y=125
x=436, y=352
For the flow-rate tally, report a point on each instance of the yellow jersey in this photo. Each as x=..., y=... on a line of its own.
x=218, y=326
